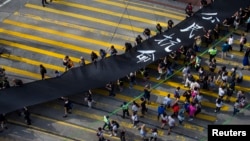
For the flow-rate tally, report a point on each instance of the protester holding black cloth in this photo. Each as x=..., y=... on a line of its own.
x=93, y=56
x=43, y=71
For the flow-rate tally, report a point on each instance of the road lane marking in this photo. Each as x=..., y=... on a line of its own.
x=109, y=12
x=63, y=34
x=39, y=51
x=83, y=17
x=33, y=62
x=22, y=72
x=150, y=11
x=47, y=41
x=75, y=26
x=40, y=130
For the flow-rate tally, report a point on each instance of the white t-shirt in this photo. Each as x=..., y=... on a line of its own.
x=171, y=121
x=167, y=100
x=134, y=117
x=221, y=92
x=230, y=40
x=134, y=108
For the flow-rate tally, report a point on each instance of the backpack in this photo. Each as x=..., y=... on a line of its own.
x=244, y=40
x=117, y=125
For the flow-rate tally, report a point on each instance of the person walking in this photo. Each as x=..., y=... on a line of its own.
x=171, y=124
x=135, y=119
x=164, y=120
x=218, y=104
x=27, y=116
x=106, y=123
x=67, y=107
x=143, y=107
x=135, y=107
x=224, y=49
x=124, y=109
x=45, y=2
x=236, y=107
x=147, y=91
x=123, y=135
x=100, y=134
x=230, y=42
x=245, y=61
x=3, y=122
x=212, y=53
x=161, y=110
x=143, y=131
x=181, y=115
x=43, y=71
x=243, y=41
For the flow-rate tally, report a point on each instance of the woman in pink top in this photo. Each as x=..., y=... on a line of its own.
x=191, y=111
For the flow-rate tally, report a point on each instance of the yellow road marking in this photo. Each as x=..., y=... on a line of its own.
x=150, y=11
x=64, y=34
x=94, y=116
x=37, y=50
x=238, y=42
x=83, y=17
x=155, y=8
x=33, y=62
x=22, y=72
x=47, y=41
x=75, y=26
x=153, y=104
x=67, y=124
x=109, y=12
x=40, y=130
x=165, y=93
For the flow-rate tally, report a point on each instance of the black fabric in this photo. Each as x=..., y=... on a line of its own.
x=78, y=80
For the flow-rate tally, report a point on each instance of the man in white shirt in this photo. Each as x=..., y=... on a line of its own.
x=230, y=42
x=194, y=84
x=171, y=123
x=167, y=101
x=221, y=91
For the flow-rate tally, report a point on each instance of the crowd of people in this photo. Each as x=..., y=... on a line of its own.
x=212, y=78
x=208, y=78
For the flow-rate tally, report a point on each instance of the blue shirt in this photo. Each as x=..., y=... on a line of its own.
x=161, y=110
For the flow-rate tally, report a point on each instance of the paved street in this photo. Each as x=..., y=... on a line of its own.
x=44, y=35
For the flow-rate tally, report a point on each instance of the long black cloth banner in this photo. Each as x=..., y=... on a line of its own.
x=80, y=79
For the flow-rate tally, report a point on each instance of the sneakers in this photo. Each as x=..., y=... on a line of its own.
x=190, y=119
x=158, y=78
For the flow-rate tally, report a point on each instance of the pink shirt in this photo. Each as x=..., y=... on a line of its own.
x=192, y=110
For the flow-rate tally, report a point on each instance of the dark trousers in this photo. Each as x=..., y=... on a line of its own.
x=28, y=120
x=241, y=47
x=211, y=57
x=105, y=125
x=44, y=2
x=236, y=111
x=125, y=111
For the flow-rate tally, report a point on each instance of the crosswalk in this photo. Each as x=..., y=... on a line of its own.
x=44, y=35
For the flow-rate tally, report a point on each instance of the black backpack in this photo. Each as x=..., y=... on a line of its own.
x=244, y=40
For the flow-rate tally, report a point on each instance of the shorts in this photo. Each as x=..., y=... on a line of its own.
x=164, y=121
